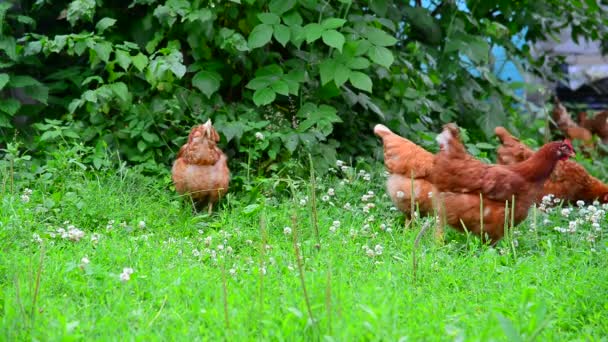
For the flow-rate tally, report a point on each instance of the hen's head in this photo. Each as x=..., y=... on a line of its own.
x=565, y=150
x=203, y=132
x=448, y=137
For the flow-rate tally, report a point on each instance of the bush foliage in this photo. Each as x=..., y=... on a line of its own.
x=312, y=76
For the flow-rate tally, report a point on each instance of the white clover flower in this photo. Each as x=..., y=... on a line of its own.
x=336, y=224
x=208, y=240
x=220, y=247
x=302, y=202
x=141, y=225
x=566, y=212
x=344, y=168
x=339, y=163
x=400, y=194
x=73, y=234
x=84, y=261
x=232, y=272
x=580, y=203
x=259, y=135
x=378, y=249
x=325, y=198
x=331, y=192
x=25, y=198
x=249, y=242
x=95, y=237
x=126, y=274
x=347, y=206
x=36, y=238
x=389, y=230
x=196, y=253
x=367, y=177
x=370, y=252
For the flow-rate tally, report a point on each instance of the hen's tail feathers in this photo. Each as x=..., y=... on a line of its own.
x=403, y=156
x=505, y=137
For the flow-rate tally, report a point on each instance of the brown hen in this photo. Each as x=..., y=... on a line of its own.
x=569, y=181
x=406, y=161
x=472, y=194
x=597, y=124
x=201, y=169
x=568, y=127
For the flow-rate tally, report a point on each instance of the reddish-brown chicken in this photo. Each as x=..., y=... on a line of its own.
x=597, y=124
x=201, y=169
x=569, y=181
x=405, y=161
x=459, y=180
x=568, y=127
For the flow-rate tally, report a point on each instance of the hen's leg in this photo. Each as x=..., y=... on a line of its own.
x=209, y=207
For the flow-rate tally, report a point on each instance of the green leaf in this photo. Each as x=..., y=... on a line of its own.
x=121, y=91
x=313, y=31
x=269, y=18
x=378, y=37
x=203, y=15
x=103, y=50
x=140, y=61
x=208, y=82
x=326, y=70
x=23, y=81
x=341, y=74
x=149, y=137
x=260, y=36
x=361, y=81
x=282, y=34
x=280, y=87
x=39, y=93
x=3, y=80
x=269, y=70
x=33, y=48
x=332, y=23
x=292, y=18
x=123, y=58
x=281, y=6
x=9, y=106
x=358, y=63
x=104, y=24
x=263, y=96
x=259, y=82
x=291, y=141
x=381, y=55
x=509, y=329
x=334, y=39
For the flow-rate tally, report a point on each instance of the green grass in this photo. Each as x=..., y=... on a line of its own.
x=234, y=275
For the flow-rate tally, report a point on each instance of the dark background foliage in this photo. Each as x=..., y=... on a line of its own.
x=311, y=76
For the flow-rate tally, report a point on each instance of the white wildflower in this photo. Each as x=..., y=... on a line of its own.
x=259, y=135
x=232, y=272
x=126, y=274
x=36, y=238
x=378, y=249
x=331, y=192
x=84, y=261
x=325, y=198
x=141, y=225
x=566, y=212
x=339, y=163
x=347, y=206
x=580, y=203
x=367, y=177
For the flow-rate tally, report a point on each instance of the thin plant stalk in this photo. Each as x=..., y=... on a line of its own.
x=261, y=264
x=512, y=226
x=313, y=203
x=297, y=253
x=481, y=217
x=37, y=285
x=328, y=296
x=225, y=293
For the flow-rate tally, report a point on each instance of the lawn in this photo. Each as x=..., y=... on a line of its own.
x=113, y=255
